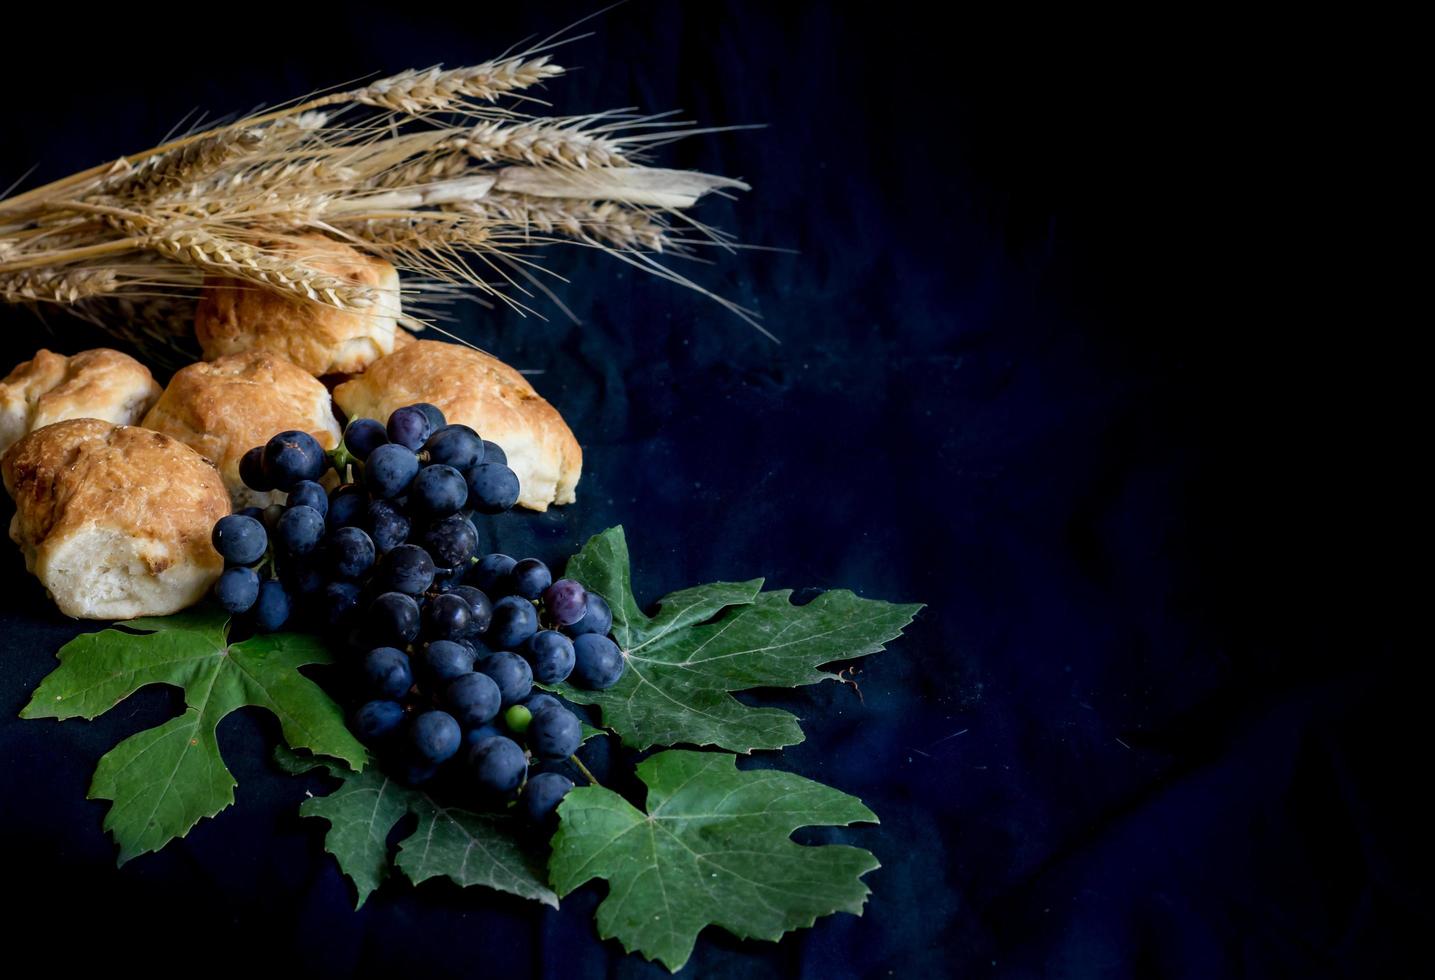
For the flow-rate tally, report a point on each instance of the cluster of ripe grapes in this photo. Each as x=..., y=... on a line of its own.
x=445, y=687
x=404, y=517
x=449, y=643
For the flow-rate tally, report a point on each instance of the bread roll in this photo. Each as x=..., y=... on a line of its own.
x=235, y=316
x=93, y=384
x=482, y=392
x=223, y=408
x=114, y=520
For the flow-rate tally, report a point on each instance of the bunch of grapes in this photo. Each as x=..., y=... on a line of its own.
x=448, y=644
x=451, y=682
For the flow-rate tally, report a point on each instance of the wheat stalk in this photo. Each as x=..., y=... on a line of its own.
x=453, y=203
x=181, y=166
x=538, y=142
x=57, y=285
x=598, y=221
x=208, y=251
x=430, y=89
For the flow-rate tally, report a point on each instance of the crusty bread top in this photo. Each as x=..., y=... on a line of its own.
x=235, y=316
x=482, y=392
x=224, y=408
x=100, y=384
x=132, y=480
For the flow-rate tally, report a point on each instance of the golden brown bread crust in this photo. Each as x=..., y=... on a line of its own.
x=114, y=520
x=482, y=392
x=97, y=384
x=223, y=408
x=234, y=316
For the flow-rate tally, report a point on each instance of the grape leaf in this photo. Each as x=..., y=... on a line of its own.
x=164, y=780
x=713, y=848
x=468, y=848
x=681, y=669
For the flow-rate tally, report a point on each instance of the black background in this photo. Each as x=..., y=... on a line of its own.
x=1051, y=362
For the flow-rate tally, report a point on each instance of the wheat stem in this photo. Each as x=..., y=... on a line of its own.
x=65, y=256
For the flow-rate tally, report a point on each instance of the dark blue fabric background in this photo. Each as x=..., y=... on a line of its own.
x=1037, y=370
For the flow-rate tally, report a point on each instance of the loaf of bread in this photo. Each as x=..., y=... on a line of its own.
x=234, y=316
x=93, y=384
x=114, y=520
x=482, y=392
x=223, y=408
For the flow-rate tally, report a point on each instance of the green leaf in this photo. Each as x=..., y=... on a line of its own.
x=468, y=848
x=682, y=669
x=713, y=848
x=164, y=780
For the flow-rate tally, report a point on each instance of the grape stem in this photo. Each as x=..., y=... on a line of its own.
x=592, y=780
x=341, y=458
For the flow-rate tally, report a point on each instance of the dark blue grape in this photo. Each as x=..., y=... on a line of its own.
x=299, y=531
x=551, y=656
x=434, y=737
x=351, y=552
x=377, y=719
x=511, y=673
x=393, y=618
x=443, y=660
x=409, y=427
x=341, y=604
x=447, y=579
x=452, y=542
x=237, y=589
x=446, y=617
x=437, y=491
x=493, y=453
x=387, y=525
x=304, y=576
x=455, y=445
x=308, y=494
x=239, y=540
x=347, y=506
x=389, y=470
x=473, y=736
x=363, y=436
x=554, y=733
x=538, y=700
x=493, y=574
x=255, y=512
x=387, y=672
x=433, y=413
x=597, y=618
x=598, y=663
x=251, y=471
x=514, y=621
x=492, y=488
x=292, y=456
x=497, y=764
x=530, y=578
x=407, y=568
x=542, y=794
x=271, y=609
x=566, y=601
x=480, y=609
x=473, y=699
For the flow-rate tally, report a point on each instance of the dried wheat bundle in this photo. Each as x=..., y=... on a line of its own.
x=437, y=170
